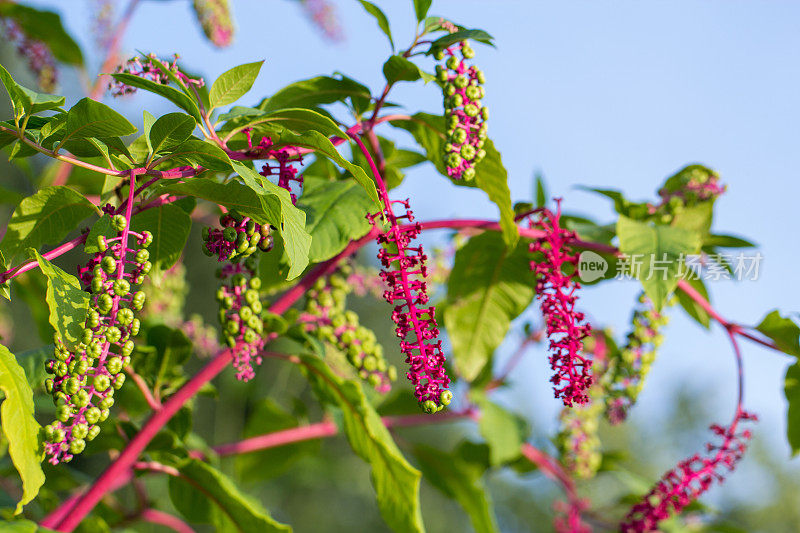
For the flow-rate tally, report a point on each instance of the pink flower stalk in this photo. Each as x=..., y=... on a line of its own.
x=102, y=22
x=215, y=18
x=38, y=56
x=568, y=516
x=464, y=114
x=146, y=68
x=323, y=14
x=285, y=156
x=556, y=292
x=404, y=274
x=85, y=378
x=691, y=478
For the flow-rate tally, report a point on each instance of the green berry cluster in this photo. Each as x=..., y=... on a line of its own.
x=328, y=320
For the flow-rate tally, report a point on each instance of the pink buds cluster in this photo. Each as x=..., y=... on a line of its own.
x=404, y=274
x=327, y=319
x=215, y=18
x=240, y=316
x=84, y=379
x=691, y=478
x=465, y=116
x=323, y=14
x=556, y=292
x=39, y=57
x=285, y=156
x=149, y=68
x=239, y=237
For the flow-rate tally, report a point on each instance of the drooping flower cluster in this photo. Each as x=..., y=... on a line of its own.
x=102, y=22
x=238, y=296
x=150, y=68
x=691, y=478
x=36, y=53
x=556, y=291
x=323, y=14
x=215, y=19
x=240, y=316
x=578, y=439
x=404, y=273
x=84, y=378
x=465, y=116
x=327, y=318
x=625, y=378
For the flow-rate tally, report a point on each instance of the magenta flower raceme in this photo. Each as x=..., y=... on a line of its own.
x=465, y=116
x=569, y=517
x=85, y=378
x=323, y=14
x=404, y=273
x=691, y=478
x=556, y=292
x=148, y=68
x=38, y=56
x=215, y=19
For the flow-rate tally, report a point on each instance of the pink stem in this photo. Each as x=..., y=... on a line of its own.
x=154, y=516
x=52, y=254
x=154, y=404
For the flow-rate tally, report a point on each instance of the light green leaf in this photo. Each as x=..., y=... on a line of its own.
x=396, y=482
x=301, y=120
x=488, y=287
x=692, y=308
x=380, y=18
x=459, y=478
x=89, y=118
x=421, y=8
x=242, y=512
x=147, y=124
x=44, y=218
x=658, y=250
x=172, y=94
x=68, y=303
x=170, y=226
x=502, y=430
x=727, y=241
x=170, y=130
x=103, y=227
x=234, y=83
x=335, y=214
x=318, y=91
x=24, y=100
x=784, y=331
x=195, y=152
x=20, y=427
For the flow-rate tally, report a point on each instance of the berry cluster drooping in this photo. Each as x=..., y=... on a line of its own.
x=150, y=68
x=240, y=302
x=327, y=319
x=215, y=19
x=38, y=56
x=404, y=273
x=84, y=379
x=556, y=291
x=626, y=375
x=691, y=478
x=465, y=116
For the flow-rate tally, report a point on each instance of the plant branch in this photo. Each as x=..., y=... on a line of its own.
x=154, y=516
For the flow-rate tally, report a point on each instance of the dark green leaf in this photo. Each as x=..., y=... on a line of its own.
x=398, y=68
x=727, y=241
x=421, y=8
x=335, y=214
x=658, y=250
x=170, y=226
x=196, y=152
x=380, y=17
x=318, y=91
x=170, y=130
x=488, y=287
x=461, y=35
x=103, y=227
x=692, y=308
x=89, y=118
x=784, y=331
x=20, y=427
x=172, y=94
x=502, y=430
x=24, y=100
x=792, y=392
x=541, y=193
x=302, y=120
x=45, y=26
x=234, y=83
x=44, y=218
x=67, y=301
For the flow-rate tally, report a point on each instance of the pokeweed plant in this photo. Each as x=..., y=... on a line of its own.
x=286, y=195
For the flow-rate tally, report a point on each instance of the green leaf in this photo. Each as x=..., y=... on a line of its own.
x=459, y=478
x=792, y=391
x=269, y=417
x=172, y=94
x=380, y=17
x=170, y=130
x=488, y=287
x=658, y=250
x=33, y=363
x=234, y=83
x=21, y=526
x=45, y=26
x=727, y=241
x=24, y=100
x=784, y=331
x=398, y=68
x=44, y=218
x=692, y=308
x=461, y=35
x=541, y=192
x=335, y=214
x=421, y=8
x=318, y=91
x=172, y=349
x=396, y=482
x=20, y=427
x=302, y=120
x=103, y=227
x=147, y=124
x=242, y=512
x=502, y=430
x=89, y=118
x=196, y=152
x=9, y=197
x=170, y=226
x=695, y=218
x=68, y=303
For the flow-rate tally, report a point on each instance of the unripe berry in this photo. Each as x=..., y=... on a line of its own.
x=119, y=222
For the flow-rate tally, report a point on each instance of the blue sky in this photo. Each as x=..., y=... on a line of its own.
x=613, y=94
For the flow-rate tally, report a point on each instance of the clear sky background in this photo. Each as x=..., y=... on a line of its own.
x=612, y=94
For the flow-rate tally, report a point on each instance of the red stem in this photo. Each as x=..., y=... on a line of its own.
x=154, y=516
